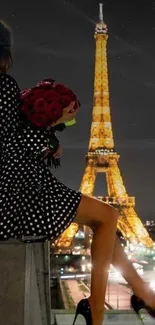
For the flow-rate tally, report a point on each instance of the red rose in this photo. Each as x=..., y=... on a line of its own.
x=54, y=111
x=61, y=89
x=51, y=95
x=35, y=94
x=65, y=100
x=26, y=108
x=25, y=92
x=67, y=96
x=46, y=83
x=40, y=105
x=70, y=93
x=39, y=120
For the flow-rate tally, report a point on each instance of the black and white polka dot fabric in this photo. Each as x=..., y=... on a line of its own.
x=33, y=203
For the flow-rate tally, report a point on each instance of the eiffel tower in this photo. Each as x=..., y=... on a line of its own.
x=102, y=157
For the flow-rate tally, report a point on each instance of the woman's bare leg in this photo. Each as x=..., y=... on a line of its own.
x=103, y=220
x=138, y=285
x=107, y=249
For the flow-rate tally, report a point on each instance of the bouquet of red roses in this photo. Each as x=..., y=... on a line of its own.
x=43, y=104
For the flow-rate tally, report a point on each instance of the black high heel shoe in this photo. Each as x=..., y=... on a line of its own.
x=138, y=304
x=83, y=308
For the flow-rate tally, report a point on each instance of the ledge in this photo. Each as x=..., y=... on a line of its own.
x=112, y=317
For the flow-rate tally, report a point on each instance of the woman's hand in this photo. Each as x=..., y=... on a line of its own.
x=58, y=153
x=68, y=115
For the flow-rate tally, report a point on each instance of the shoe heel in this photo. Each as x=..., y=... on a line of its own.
x=136, y=307
x=83, y=308
x=137, y=312
x=76, y=315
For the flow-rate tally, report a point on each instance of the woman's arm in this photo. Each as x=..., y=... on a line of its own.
x=9, y=105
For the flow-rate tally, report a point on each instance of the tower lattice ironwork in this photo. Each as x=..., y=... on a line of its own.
x=102, y=157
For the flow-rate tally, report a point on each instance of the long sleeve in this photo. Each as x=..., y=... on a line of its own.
x=9, y=107
x=9, y=102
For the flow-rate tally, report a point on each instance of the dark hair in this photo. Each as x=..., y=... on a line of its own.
x=5, y=48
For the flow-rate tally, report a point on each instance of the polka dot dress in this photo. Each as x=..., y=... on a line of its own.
x=33, y=203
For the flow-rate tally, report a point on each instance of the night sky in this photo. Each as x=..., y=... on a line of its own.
x=54, y=38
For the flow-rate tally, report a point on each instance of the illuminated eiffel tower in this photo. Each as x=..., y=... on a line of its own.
x=102, y=157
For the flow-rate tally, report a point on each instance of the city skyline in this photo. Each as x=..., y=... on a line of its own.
x=131, y=79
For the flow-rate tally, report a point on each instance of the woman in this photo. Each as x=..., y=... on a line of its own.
x=34, y=203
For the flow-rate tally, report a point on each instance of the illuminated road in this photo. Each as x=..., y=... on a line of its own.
x=76, y=293
x=118, y=296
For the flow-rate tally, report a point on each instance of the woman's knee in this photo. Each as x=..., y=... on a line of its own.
x=108, y=214
x=93, y=212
